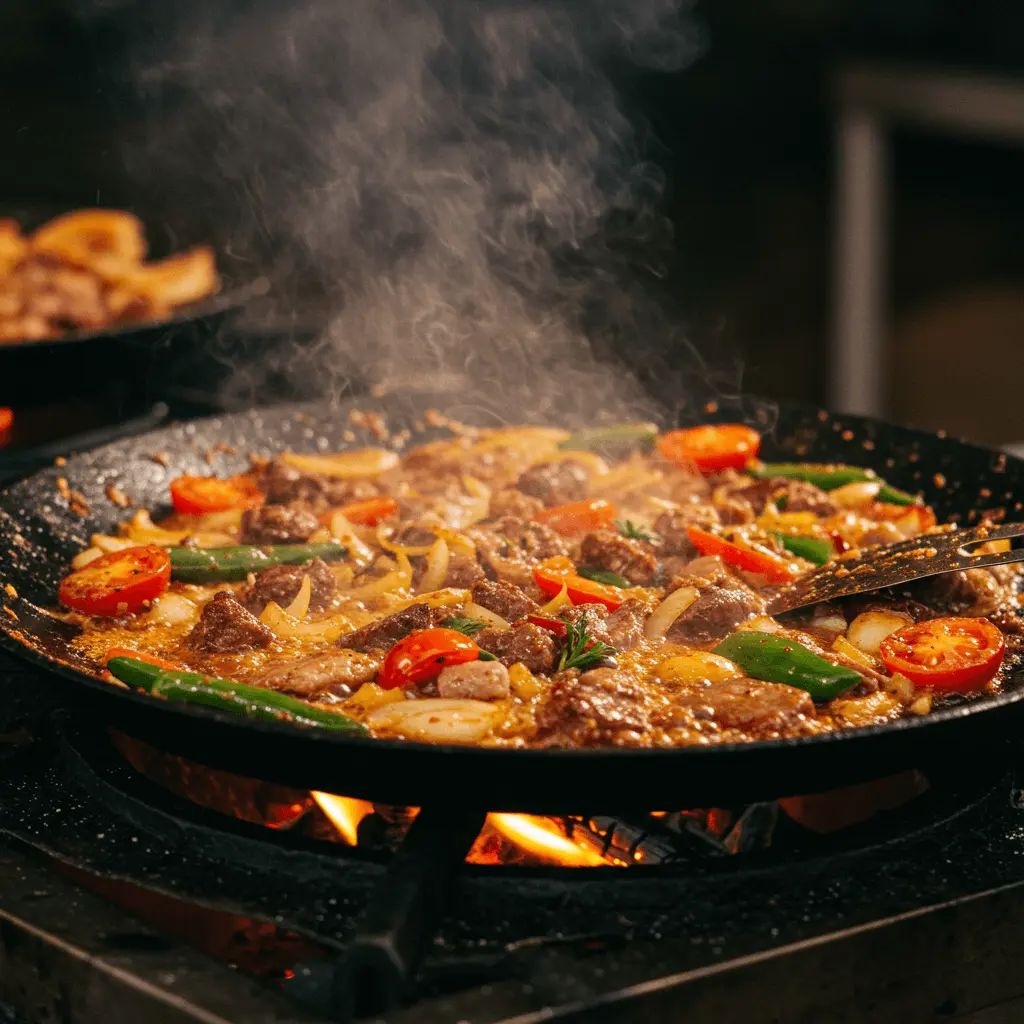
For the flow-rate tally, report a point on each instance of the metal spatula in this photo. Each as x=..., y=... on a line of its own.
x=895, y=564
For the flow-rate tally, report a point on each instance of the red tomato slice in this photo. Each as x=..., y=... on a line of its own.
x=712, y=447
x=949, y=654
x=422, y=655
x=119, y=583
x=552, y=573
x=578, y=516
x=773, y=568
x=198, y=495
x=371, y=511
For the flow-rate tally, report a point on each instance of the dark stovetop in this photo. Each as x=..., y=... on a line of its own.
x=916, y=921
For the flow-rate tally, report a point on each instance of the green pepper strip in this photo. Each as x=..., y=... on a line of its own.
x=622, y=435
x=814, y=550
x=603, y=576
x=776, y=659
x=207, y=565
x=828, y=478
x=226, y=695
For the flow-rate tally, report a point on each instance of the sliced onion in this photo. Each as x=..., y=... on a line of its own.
x=83, y=558
x=412, y=550
x=858, y=493
x=669, y=610
x=288, y=627
x=478, y=611
x=593, y=461
x=854, y=654
x=396, y=581
x=901, y=687
x=173, y=610
x=344, y=531
x=480, y=507
x=761, y=624
x=300, y=605
x=520, y=437
x=363, y=462
x=108, y=544
x=437, y=567
x=436, y=719
x=141, y=529
x=697, y=666
x=559, y=601
x=869, y=629
x=447, y=597
x=922, y=705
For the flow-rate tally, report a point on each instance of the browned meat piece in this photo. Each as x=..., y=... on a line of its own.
x=463, y=572
x=337, y=672
x=225, y=627
x=282, y=483
x=514, y=503
x=555, y=483
x=475, y=680
x=533, y=646
x=608, y=549
x=597, y=620
x=672, y=527
x=281, y=583
x=598, y=708
x=508, y=548
x=970, y=592
x=625, y=625
x=765, y=709
x=278, y=524
x=801, y=496
x=384, y=634
x=734, y=510
x=504, y=599
x=723, y=604
x=416, y=534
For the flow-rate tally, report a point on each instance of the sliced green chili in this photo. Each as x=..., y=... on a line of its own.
x=828, y=478
x=811, y=548
x=208, y=565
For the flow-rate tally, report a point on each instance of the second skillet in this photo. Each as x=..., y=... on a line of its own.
x=39, y=534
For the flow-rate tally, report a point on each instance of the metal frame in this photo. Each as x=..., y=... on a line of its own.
x=870, y=101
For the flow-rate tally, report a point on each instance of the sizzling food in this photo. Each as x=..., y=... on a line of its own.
x=86, y=271
x=528, y=587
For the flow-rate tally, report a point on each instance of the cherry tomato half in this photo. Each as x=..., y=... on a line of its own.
x=773, y=568
x=422, y=655
x=578, y=516
x=712, y=447
x=949, y=654
x=553, y=573
x=119, y=583
x=198, y=495
x=371, y=511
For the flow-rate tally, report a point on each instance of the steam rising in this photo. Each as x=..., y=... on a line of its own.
x=456, y=179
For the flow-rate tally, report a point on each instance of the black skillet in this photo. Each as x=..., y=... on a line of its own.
x=39, y=535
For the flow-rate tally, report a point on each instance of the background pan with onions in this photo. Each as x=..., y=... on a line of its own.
x=39, y=534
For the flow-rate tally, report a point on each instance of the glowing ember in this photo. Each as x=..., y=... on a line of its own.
x=345, y=814
x=543, y=839
x=6, y=422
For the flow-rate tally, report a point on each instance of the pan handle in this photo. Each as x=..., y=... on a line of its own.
x=17, y=464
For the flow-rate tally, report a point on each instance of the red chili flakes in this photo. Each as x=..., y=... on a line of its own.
x=939, y=480
x=847, y=435
x=985, y=493
x=117, y=496
x=77, y=501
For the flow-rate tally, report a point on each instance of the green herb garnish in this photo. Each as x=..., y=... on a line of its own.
x=629, y=529
x=581, y=650
x=603, y=576
x=463, y=625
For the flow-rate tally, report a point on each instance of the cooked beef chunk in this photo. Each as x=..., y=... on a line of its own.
x=533, y=646
x=672, y=527
x=597, y=708
x=508, y=548
x=511, y=502
x=880, y=533
x=970, y=592
x=416, y=534
x=724, y=603
x=504, y=599
x=633, y=559
x=555, y=483
x=764, y=709
x=463, y=572
x=278, y=524
x=281, y=583
x=385, y=633
x=622, y=628
x=476, y=680
x=734, y=510
x=801, y=496
x=225, y=627
x=337, y=672
x=282, y=482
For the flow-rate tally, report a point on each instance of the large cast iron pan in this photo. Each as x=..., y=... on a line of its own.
x=39, y=535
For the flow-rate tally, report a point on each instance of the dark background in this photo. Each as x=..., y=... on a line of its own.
x=746, y=136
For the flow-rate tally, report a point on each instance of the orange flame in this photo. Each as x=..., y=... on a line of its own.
x=345, y=814
x=543, y=839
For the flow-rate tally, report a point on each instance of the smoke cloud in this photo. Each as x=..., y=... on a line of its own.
x=455, y=183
